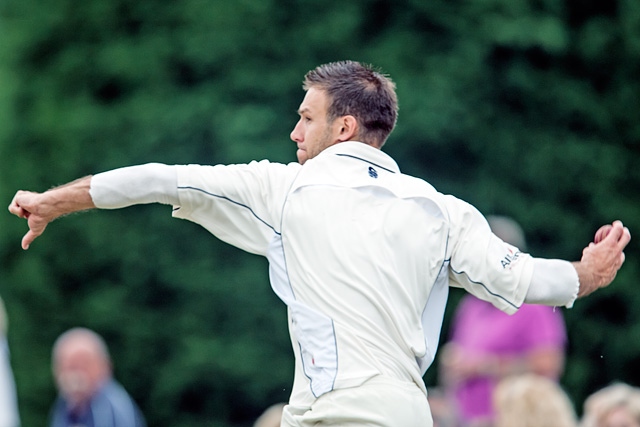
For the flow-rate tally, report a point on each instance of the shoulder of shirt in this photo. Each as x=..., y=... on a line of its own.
x=375, y=159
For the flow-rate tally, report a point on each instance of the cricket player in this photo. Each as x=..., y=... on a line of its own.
x=362, y=255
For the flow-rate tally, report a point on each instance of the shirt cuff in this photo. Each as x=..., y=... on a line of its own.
x=554, y=282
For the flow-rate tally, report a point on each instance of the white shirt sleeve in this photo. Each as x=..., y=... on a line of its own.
x=497, y=272
x=241, y=204
x=482, y=263
x=554, y=282
x=150, y=183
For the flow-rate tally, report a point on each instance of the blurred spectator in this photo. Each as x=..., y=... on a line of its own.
x=443, y=411
x=88, y=395
x=530, y=400
x=8, y=400
x=487, y=345
x=617, y=405
x=271, y=417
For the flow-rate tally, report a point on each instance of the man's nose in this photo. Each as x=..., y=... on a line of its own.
x=296, y=134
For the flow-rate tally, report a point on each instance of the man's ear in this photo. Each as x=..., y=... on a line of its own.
x=348, y=128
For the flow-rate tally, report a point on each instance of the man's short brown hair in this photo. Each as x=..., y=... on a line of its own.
x=360, y=91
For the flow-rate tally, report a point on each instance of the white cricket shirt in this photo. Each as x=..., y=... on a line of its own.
x=362, y=255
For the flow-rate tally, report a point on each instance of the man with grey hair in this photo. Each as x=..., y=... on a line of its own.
x=88, y=394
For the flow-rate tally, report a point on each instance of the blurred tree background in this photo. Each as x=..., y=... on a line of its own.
x=527, y=108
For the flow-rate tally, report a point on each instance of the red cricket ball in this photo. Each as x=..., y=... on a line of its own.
x=602, y=233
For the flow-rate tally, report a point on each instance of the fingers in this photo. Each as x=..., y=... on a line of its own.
x=17, y=206
x=624, y=239
x=15, y=209
x=619, y=260
x=618, y=235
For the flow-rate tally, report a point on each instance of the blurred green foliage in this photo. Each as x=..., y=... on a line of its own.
x=527, y=108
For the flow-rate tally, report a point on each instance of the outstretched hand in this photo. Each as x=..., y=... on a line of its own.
x=601, y=261
x=39, y=209
x=25, y=204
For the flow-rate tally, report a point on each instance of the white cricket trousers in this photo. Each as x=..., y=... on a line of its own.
x=379, y=402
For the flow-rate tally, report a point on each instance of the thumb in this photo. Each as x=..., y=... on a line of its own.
x=34, y=231
x=28, y=239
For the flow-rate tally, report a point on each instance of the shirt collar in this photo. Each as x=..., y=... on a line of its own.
x=364, y=151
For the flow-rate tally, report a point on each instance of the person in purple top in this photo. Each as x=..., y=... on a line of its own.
x=486, y=344
x=88, y=394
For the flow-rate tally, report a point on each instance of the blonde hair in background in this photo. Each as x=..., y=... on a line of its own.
x=531, y=400
x=604, y=401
